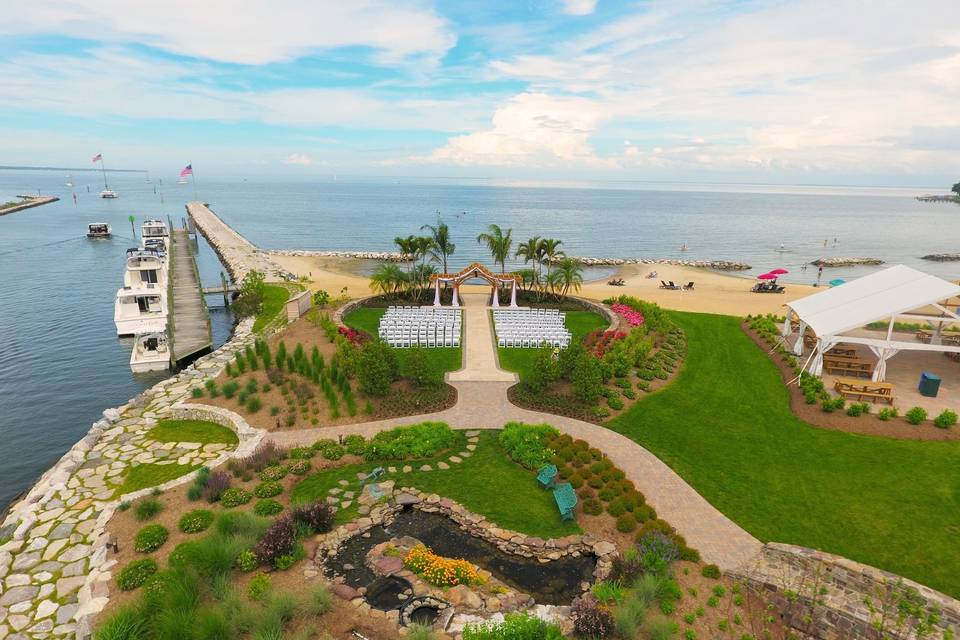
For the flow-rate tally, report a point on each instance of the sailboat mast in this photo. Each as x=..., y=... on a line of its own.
x=104, y=170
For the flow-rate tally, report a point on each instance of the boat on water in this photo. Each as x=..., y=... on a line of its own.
x=108, y=194
x=182, y=181
x=140, y=309
x=145, y=266
x=98, y=230
x=69, y=181
x=150, y=352
x=155, y=232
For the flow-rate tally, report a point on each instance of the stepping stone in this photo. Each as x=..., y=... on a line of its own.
x=456, y=459
x=464, y=454
x=391, y=469
x=348, y=494
x=343, y=483
x=334, y=491
x=407, y=468
x=426, y=467
x=471, y=447
x=345, y=504
x=443, y=465
x=472, y=433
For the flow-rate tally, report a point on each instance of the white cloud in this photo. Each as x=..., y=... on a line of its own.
x=529, y=129
x=299, y=158
x=579, y=7
x=252, y=32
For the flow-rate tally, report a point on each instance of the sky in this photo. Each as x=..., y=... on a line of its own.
x=780, y=92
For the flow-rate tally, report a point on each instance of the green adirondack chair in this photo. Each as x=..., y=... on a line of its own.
x=566, y=499
x=547, y=475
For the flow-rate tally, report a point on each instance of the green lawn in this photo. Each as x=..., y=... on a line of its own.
x=488, y=483
x=725, y=425
x=151, y=475
x=274, y=297
x=191, y=431
x=368, y=319
x=579, y=323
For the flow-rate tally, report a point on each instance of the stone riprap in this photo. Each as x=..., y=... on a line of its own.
x=55, y=571
x=719, y=265
x=237, y=254
x=845, y=262
x=381, y=256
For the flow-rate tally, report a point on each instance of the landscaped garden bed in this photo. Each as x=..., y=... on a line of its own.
x=602, y=372
x=813, y=403
x=316, y=374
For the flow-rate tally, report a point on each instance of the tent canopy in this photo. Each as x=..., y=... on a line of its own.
x=878, y=296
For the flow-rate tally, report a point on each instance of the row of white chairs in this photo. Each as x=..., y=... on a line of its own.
x=430, y=338
x=530, y=328
x=424, y=326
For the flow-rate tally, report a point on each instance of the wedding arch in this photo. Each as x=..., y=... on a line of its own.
x=476, y=270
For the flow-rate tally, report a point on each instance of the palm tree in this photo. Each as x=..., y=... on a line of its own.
x=408, y=247
x=549, y=250
x=528, y=250
x=421, y=247
x=498, y=243
x=568, y=275
x=441, y=248
x=527, y=278
x=388, y=279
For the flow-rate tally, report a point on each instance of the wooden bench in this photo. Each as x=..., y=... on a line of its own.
x=372, y=476
x=924, y=336
x=547, y=475
x=566, y=499
x=849, y=388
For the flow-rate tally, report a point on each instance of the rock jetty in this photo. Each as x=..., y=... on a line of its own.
x=382, y=256
x=720, y=265
x=845, y=262
x=942, y=257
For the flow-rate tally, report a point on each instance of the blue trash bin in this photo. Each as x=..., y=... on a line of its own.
x=929, y=384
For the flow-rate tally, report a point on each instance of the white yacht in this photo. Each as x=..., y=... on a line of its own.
x=150, y=352
x=141, y=308
x=108, y=194
x=98, y=230
x=145, y=267
x=154, y=230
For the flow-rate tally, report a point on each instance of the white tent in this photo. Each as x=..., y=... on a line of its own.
x=883, y=296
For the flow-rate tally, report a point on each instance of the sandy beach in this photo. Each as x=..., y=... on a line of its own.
x=713, y=292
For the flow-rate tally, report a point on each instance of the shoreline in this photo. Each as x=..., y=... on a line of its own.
x=29, y=203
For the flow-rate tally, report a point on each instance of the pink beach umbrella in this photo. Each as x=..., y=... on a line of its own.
x=767, y=276
x=779, y=272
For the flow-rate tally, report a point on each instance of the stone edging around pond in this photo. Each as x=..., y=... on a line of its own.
x=474, y=524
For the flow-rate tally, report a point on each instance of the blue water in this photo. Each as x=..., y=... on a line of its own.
x=61, y=364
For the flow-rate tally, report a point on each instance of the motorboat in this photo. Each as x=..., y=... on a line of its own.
x=108, y=194
x=140, y=308
x=98, y=230
x=154, y=230
x=150, y=352
x=145, y=266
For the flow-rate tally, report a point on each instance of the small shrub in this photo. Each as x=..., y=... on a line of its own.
x=333, y=452
x=591, y=619
x=253, y=404
x=217, y=484
x=274, y=473
x=235, y=497
x=246, y=561
x=274, y=410
x=136, y=573
x=268, y=489
x=278, y=540
x=259, y=587
x=195, y=521
x=147, y=508
x=887, y=413
x=857, y=409
x=123, y=506
x=267, y=507
x=284, y=562
x=526, y=444
x=355, y=444
x=319, y=602
x=710, y=571
x=592, y=507
x=230, y=389
x=150, y=538
x=946, y=419
x=626, y=523
x=607, y=591
x=516, y=626
x=318, y=516
x=916, y=415
x=616, y=508
x=300, y=467
x=657, y=551
x=196, y=392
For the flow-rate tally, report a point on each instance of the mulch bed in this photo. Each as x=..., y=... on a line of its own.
x=870, y=425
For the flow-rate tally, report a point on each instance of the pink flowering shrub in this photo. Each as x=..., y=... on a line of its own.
x=633, y=317
x=356, y=337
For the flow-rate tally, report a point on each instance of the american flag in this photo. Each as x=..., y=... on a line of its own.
x=186, y=171
x=96, y=158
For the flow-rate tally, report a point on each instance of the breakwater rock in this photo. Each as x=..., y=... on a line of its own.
x=383, y=256
x=942, y=257
x=845, y=262
x=943, y=198
x=720, y=265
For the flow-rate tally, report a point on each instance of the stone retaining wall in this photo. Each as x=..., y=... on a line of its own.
x=786, y=575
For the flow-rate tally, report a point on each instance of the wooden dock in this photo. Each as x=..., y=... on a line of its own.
x=28, y=202
x=189, y=323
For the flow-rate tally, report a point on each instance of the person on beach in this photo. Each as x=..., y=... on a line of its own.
x=819, y=275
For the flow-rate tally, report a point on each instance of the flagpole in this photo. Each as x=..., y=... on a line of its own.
x=104, y=170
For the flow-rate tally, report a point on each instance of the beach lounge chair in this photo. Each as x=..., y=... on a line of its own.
x=689, y=286
x=664, y=285
x=566, y=500
x=547, y=475
x=673, y=286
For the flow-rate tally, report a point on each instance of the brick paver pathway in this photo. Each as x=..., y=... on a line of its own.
x=482, y=404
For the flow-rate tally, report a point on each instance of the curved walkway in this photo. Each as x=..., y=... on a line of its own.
x=482, y=404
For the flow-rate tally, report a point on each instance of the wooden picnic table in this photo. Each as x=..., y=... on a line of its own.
x=847, y=366
x=849, y=352
x=851, y=387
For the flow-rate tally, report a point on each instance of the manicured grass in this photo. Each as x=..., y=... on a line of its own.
x=488, y=483
x=725, y=425
x=579, y=323
x=143, y=476
x=191, y=431
x=274, y=297
x=445, y=358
